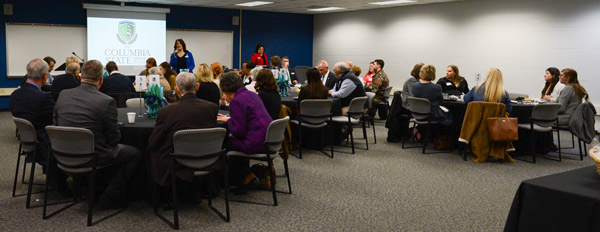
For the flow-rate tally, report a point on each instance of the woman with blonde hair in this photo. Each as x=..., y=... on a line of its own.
x=432, y=92
x=208, y=90
x=491, y=90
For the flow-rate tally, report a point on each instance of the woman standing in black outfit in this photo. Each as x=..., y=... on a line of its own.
x=267, y=91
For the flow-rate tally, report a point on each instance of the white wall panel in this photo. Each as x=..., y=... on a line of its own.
x=521, y=38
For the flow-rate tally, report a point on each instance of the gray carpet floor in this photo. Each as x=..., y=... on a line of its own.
x=383, y=189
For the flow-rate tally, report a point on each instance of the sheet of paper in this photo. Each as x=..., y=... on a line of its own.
x=141, y=83
x=153, y=80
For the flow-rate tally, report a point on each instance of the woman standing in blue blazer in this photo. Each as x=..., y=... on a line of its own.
x=181, y=58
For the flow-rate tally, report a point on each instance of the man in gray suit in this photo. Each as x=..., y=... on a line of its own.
x=86, y=107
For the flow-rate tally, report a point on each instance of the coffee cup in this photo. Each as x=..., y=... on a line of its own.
x=131, y=117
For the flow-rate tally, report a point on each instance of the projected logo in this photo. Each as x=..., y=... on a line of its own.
x=126, y=33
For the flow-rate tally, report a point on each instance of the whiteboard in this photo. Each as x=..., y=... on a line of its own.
x=25, y=42
x=206, y=46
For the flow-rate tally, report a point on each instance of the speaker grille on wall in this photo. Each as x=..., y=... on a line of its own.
x=235, y=20
x=8, y=9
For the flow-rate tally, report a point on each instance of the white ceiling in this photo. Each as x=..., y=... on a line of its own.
x=288, y=6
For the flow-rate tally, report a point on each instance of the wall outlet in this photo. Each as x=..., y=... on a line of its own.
x=477, y=77
x=8, y=9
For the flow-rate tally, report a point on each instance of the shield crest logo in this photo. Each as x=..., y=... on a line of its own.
x=126, y=33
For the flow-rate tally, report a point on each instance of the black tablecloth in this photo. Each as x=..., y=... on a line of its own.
x=313, y=138
x=568, y=201
x=138, y=133
x=291, y=101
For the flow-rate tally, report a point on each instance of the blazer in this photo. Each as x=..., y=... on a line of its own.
x=209, y=91
x=433, y=93
x=330, y=80
x=87, y=107
x=293, y=75
x=62, y=82
x=29, y=103
x=568, y=101
x=582, y=122
x=249, y=121
x=188, y=113
x=260, y=60
x=407, y=91
x=189, y=61
x=475, y=132
x=479, y=95
x=117, y=83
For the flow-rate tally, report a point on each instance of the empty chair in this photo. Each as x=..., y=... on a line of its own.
x=314, y=113
x=200, y=150
x=273, y=140
x=543, y=116
x=27, y=145
x=355, y=114
x=75, y=154
x=135, y=103
x=301, y=73
x=514, y=96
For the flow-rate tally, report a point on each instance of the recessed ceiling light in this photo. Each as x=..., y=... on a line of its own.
x=326, y=9
x=391, y=2
x=255, y=3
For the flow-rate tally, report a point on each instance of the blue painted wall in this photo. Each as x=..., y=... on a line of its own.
x=283, y=34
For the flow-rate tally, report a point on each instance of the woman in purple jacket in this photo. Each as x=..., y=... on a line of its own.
x=247, y=124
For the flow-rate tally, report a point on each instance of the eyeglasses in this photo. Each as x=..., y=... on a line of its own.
x=561, y=75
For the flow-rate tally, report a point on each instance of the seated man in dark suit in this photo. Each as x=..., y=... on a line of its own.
x=116, y=82
x=189, y=112
x=66, y=81
x=86, y=107
x=30, y=103
x=327, y=77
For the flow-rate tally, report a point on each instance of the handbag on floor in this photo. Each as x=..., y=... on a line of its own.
x=503, y=129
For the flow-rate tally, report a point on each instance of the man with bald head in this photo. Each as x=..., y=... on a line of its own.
x=87, y=107
x=190, y=112
x=327, y=77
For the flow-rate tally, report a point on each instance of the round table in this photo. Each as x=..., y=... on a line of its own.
x=292, y=100
x=137, y=134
